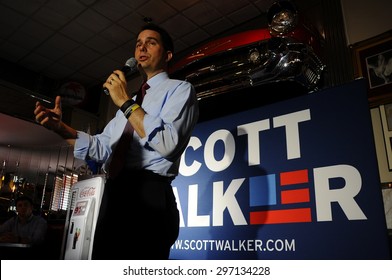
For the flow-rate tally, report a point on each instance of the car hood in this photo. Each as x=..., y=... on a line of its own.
x=221, y=45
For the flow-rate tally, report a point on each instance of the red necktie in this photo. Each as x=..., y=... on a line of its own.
x=124, y=143
x=142, y=92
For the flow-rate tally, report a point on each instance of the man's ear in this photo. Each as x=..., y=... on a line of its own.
x=169, y=56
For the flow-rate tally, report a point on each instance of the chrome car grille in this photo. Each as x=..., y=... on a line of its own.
x=280, y=59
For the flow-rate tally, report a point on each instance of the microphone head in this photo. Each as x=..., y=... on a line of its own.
x=131, y=63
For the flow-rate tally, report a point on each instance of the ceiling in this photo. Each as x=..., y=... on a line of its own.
x=85, y=40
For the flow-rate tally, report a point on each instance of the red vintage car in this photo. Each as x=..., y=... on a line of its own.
x=288, y=50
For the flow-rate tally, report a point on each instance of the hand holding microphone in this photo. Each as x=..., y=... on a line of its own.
x=130, y=66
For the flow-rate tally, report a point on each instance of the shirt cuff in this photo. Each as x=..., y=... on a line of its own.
x=82, y=143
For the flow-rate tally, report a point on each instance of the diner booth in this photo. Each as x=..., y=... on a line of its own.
x=46, y=174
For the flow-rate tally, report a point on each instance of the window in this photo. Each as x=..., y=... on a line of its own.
x=62, y=190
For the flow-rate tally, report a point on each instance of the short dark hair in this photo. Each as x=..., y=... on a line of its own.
x=23, y=198
x=165, y=36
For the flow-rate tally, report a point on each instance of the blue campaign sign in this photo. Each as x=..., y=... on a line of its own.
x=296, y=179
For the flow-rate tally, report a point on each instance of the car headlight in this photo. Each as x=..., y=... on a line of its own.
x=254, y=56
x=282, y=17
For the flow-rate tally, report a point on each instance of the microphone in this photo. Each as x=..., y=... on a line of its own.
x=130, y=66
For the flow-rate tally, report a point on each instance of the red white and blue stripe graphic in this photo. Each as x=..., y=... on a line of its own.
x=263, y=192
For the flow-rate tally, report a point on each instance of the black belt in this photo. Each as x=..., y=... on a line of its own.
x=145, y=174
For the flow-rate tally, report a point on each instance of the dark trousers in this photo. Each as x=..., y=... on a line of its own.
x=138, y=218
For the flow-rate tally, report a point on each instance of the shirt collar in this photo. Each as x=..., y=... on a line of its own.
x=157, y=79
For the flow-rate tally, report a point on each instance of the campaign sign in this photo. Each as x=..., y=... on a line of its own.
x=296, y=179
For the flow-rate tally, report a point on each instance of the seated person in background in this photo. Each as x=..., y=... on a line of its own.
x=25, y=227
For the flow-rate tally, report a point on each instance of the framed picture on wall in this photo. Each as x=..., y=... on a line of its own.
x=373, y=61
x=386, y=123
